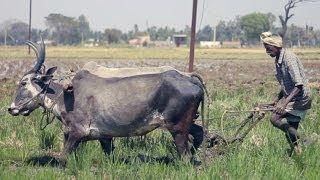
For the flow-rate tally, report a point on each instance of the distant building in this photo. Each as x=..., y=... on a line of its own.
x=48, y=42
x=210, y=44
x=179, y=39
x=161, y=43
x=231, y=44
x=140, y=41
x=91, y=43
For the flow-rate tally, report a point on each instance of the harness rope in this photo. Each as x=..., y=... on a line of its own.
x=47, y=112
x=23, y=104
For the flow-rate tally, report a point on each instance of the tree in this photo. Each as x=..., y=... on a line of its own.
x=205, y=34
x=186, y=31
x=84, y=27
x=222, y=34
x=135, y=28
x=164, y=33
x=15, y=32
x=64, y=30
x=287, y=15
x=97, y=36
x=112, y=35
x=294, y=35
x=253, y=25
x=153, y=32
x=272, y=19
x=317, y=37
x=229, y=31
x=309, y=38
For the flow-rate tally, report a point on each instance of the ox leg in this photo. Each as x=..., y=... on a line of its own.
x=181, y=142
x=180, y=133
x=71, y=142
x=107, y=145
x=196, y=132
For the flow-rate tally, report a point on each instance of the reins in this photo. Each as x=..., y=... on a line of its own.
x=47, y=112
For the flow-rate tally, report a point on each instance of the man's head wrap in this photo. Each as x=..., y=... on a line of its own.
x=271, y=39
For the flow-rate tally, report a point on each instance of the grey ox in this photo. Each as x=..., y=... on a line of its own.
x=100, y=108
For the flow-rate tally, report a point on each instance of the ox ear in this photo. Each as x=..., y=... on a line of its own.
x=51, y=70
x=49, y=74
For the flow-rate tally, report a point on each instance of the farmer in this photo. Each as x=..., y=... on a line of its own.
x=293, y=100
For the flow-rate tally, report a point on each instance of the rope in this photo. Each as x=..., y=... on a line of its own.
x=221, y=123
x=20, y=106
x=47, y=113
x=48, y=121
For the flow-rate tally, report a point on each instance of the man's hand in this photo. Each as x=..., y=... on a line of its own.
x=281, y=108
x=281, y=105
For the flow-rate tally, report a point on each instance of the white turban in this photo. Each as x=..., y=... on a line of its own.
x=271, y=39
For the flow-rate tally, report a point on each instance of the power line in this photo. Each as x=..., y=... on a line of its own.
x=203, y=9
x=30, y=10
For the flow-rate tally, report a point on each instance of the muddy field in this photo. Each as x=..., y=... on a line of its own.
x=227, y=73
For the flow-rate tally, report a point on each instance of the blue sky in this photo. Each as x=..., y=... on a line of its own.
x=123, y=14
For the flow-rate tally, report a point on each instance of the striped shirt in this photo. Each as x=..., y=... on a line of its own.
x=290, y=73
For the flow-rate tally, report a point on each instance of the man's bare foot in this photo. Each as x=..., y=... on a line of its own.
x=297, y=150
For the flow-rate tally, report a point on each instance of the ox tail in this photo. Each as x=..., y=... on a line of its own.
x=205, y=121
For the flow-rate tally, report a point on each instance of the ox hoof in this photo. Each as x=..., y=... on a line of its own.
x=196, y=115
x=59, y=157
x=195, y=162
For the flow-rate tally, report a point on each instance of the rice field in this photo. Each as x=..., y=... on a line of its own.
x=138, y=53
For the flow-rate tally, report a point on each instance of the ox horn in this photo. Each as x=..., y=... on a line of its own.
x=42, y=55
x=34, y=47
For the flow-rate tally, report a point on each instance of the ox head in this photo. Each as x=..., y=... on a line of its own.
x=33, y=85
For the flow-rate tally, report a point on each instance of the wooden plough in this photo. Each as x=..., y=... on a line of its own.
x=243, y=128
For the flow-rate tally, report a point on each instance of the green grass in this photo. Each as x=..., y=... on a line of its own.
x=21, y=139
x=150, y=53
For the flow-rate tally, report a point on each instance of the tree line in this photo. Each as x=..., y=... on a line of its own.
x=65, y=30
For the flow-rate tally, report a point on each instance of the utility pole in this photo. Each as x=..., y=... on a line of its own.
x=214, y=33
x=5, y=35
x=147, y=24
x=82, y=38
x=193, y=34
x=30, y=9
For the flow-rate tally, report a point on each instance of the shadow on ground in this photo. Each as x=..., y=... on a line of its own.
x=44, y=161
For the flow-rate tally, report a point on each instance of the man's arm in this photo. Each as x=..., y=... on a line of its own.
x=280, y=108
x=294, y=71
x=276, y=100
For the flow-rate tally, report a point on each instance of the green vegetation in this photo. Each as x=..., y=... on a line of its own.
x=149, y=53
x=21, y=140
x=253, y=24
